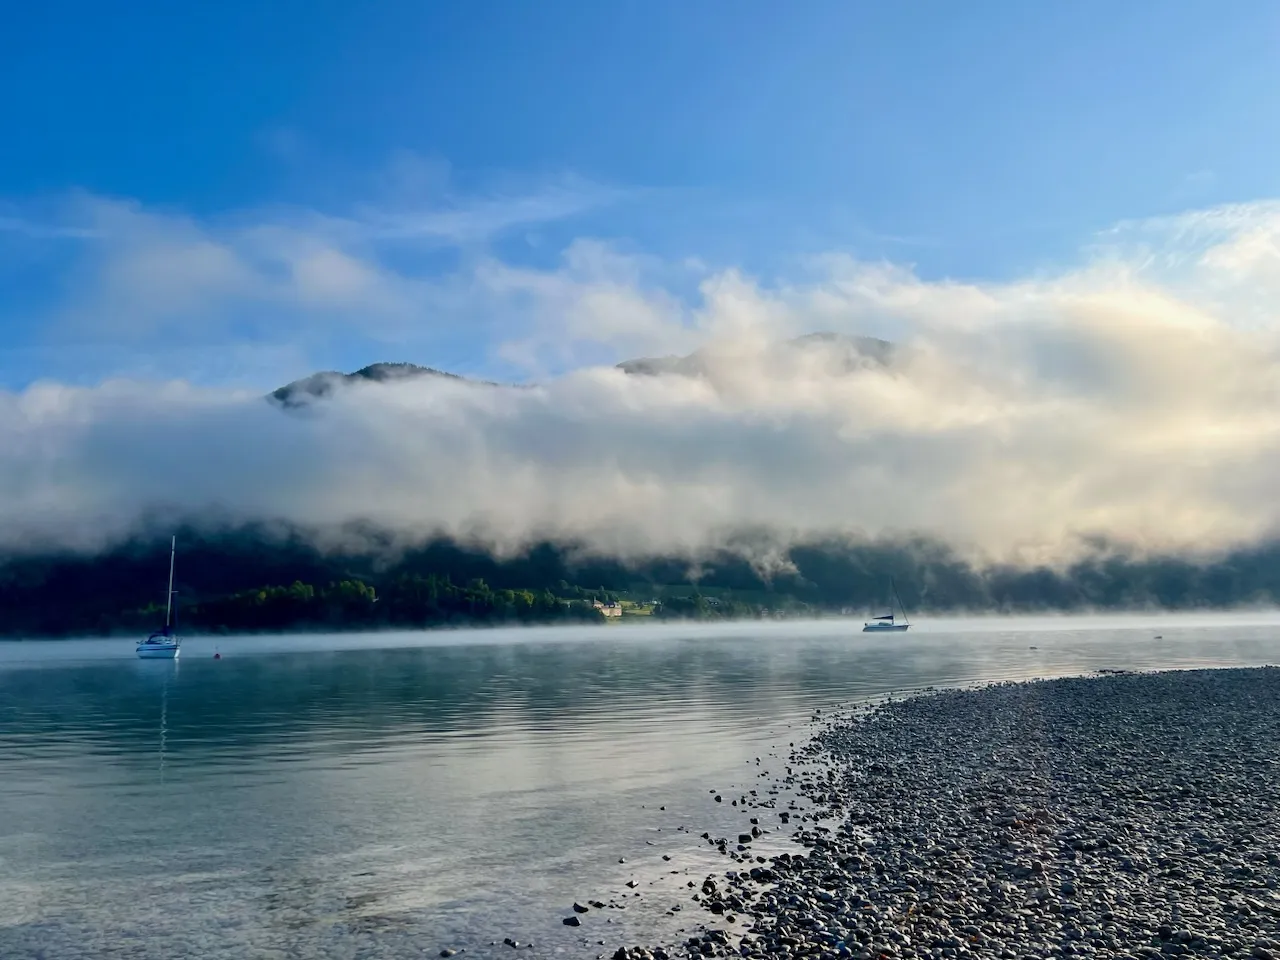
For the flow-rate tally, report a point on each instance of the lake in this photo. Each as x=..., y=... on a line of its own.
x=398, y=794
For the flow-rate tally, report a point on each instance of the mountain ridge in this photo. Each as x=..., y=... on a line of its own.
x=854, y=353
x=323, y=384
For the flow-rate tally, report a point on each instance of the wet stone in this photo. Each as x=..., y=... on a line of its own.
x=1131, y=815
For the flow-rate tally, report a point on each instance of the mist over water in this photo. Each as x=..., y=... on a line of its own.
x=401, y=793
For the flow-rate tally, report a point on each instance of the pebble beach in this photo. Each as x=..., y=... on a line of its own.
x=1130, y=815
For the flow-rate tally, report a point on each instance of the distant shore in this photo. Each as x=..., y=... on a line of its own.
x=1127, y=815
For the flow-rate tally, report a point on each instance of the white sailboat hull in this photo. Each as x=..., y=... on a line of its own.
x=889, y=622
x=163, y=644
x=159, y=651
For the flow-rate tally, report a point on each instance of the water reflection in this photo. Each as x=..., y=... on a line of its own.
x=300, y=796
x=164, y=712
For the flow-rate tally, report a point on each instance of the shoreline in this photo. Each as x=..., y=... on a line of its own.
x=1128, y=814
x=927, y=623
x=1048, y=622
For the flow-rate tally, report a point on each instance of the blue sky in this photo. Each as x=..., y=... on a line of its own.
x=163, y=167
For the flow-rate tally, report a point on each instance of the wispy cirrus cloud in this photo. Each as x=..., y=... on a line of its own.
x=44, y=230
x=477, y=220
x=121, y=271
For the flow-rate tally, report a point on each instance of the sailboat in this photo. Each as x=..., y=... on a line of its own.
x=164, y=644
x=888, y=622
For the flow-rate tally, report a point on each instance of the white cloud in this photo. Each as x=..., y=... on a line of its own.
x=1133, y=398
x=275, y=275
x=597, y=300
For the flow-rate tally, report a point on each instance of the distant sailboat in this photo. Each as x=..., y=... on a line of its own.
x=888, y=622
x=164, y=644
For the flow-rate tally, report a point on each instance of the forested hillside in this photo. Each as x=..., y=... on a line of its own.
x=268, y=578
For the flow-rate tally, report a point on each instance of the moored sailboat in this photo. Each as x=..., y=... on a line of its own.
x=889, y=622
x=164, y=644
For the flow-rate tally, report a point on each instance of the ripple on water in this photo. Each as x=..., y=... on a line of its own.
x=304, y=798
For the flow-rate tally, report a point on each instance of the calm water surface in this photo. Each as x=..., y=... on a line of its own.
x=393, y=795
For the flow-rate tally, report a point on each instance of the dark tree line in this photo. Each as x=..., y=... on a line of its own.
x=408, y=601
x=267, y=578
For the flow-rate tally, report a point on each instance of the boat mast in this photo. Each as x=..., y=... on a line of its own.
x=168, y=600
x=894, y=587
